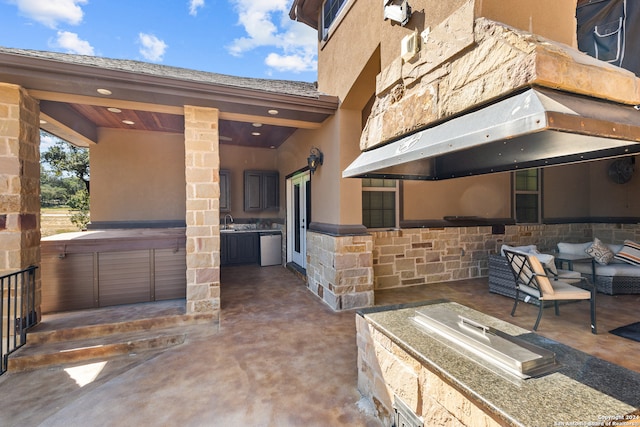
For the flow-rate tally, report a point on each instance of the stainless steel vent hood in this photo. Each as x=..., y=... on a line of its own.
x=534, y=128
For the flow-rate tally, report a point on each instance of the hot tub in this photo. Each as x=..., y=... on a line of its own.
x=101, y=268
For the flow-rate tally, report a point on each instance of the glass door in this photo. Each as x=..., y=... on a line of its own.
x=298, y=217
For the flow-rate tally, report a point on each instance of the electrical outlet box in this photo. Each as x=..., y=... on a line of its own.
x=409, y=46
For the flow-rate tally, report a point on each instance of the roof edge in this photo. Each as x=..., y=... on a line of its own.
x=20, y=63
x=306, y=11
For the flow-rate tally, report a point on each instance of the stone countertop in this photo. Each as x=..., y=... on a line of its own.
x=110, y=240
x=584, y=390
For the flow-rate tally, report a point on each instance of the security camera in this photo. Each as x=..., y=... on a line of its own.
x=399, y=12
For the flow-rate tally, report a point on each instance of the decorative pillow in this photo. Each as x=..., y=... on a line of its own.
x=600, y=252
x=630, y=253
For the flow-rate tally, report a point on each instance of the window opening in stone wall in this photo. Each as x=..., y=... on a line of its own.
x=380, y=203
x=527, y=196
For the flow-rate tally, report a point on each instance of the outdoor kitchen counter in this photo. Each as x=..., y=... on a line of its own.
x=100, y=268
x=584, y=390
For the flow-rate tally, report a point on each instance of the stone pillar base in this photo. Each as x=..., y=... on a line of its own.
x=340, y=270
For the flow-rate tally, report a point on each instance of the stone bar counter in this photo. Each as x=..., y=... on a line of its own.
x=404, y=369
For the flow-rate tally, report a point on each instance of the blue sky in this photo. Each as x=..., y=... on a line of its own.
x=252, y=38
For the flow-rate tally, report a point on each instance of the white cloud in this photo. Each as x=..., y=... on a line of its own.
x=52, y=12
x=267, y=25
x=152, y=48
x=293, y=63
x=73, y=44
x=194, y=5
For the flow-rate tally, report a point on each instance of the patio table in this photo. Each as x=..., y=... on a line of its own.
x=565, y=258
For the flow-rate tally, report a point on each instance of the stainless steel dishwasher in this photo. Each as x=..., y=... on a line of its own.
x=270, y=248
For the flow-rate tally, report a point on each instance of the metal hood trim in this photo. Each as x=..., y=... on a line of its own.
x=534, y=128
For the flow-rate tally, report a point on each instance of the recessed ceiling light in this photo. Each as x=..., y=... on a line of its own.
x=104, y=91
x=128, y=122
x=273, y=112
x=272, y=146
x=255, y=133
x=114, y=110
x=257, y=125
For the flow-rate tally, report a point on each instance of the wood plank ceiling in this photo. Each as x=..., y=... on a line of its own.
x=231, y=132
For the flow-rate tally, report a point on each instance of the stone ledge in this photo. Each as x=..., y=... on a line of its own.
x=471, y=71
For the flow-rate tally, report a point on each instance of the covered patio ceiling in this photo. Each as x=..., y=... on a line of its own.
x=79, y=94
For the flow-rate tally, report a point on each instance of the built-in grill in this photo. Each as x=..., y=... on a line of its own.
x=485, y=344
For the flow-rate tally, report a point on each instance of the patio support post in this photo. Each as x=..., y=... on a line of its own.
x=202, y=167
x=19, y=182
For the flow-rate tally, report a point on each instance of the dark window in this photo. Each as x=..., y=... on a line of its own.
x=527, y=196
x=330, y=11
x=379, y=203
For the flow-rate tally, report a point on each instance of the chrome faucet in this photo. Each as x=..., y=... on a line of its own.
x=225, y=220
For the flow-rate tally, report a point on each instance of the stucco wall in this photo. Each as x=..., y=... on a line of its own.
x=585, y=190
x=236, y=160
x=567, y=191
x=571, y=191
x=137, y=176
x=552, y=19
x=349, y=38
x=611, y=199
x=487, y=196
x=334, y=200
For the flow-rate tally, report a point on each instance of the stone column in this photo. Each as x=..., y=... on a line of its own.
x=202, y=166
x=19, y=182
x=340, y=270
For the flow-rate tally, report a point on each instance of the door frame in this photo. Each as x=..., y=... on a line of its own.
x=301, y=178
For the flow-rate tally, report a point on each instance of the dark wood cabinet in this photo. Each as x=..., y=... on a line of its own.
x=239, y=248
x=225, y=202
x=261, y=190
x=270, y=193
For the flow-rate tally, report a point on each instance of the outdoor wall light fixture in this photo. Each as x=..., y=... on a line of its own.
x=315, y=159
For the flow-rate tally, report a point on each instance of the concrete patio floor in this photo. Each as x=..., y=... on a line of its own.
x=280, y=358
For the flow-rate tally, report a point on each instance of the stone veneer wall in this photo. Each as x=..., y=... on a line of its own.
x=202, y=167
x=385, y=370
x=19, y=182
x=340, y=270
x=466, y=62
x=419, y=256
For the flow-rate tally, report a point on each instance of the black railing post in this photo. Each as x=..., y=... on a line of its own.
x=17, y=289
x=2, y=316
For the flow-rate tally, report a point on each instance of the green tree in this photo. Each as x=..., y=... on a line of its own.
x=68, y=179
x=56, y=190
x=79, y=203
x=67, y=159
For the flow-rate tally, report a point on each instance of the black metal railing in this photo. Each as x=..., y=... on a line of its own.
x=17, y=311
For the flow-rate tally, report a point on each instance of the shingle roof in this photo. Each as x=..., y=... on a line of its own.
x=288, y=87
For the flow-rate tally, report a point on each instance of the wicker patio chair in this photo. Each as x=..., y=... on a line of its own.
x=531, y=278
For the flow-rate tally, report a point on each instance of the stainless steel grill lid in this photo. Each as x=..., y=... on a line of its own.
x=503, y=351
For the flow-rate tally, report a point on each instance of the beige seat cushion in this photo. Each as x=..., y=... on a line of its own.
x=564, y=291
x=556, y=289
